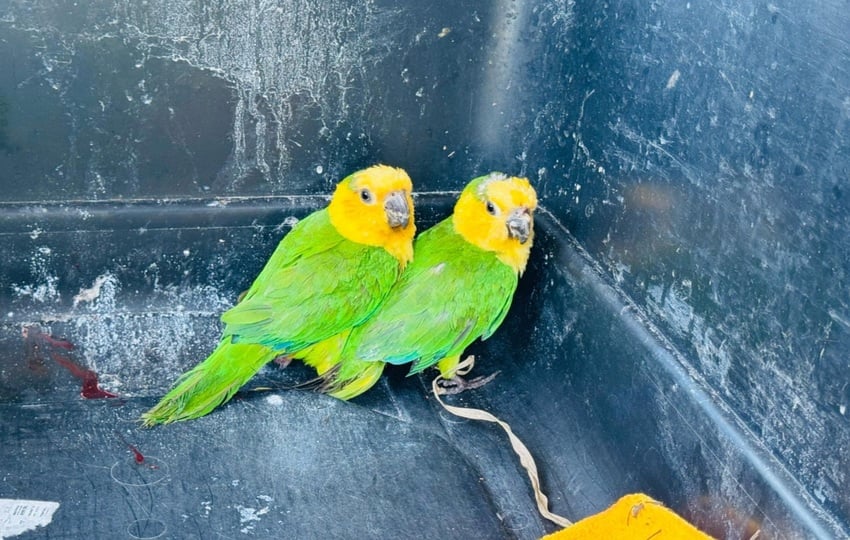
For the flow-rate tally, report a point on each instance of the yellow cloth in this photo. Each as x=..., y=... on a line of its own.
x=635, y=516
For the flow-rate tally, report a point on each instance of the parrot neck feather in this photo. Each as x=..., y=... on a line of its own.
x=475, y=228
x=352, y=224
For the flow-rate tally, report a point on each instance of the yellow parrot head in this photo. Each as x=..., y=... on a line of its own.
x=496, y=213
x=374, y=206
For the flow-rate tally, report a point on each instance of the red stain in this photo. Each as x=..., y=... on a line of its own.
x=91, y=389
x=36, y=341
x=61, y=343
x=137, y=456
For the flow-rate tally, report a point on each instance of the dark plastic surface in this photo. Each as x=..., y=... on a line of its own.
x=604, y=405
x=688, y=335
x=287, y=465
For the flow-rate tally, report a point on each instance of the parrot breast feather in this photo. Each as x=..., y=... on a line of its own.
x=450, y=295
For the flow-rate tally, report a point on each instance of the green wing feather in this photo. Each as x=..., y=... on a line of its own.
x=294, y=302
x=452, y=294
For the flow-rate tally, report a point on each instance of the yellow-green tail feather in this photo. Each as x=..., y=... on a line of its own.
x=210, y=383
x=341, y=378
x=351, y=378
x=324, y=355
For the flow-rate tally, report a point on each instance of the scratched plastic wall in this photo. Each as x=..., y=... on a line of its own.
x=699, y=151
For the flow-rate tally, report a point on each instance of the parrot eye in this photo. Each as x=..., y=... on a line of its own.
x=366, y=196
x=491, y=208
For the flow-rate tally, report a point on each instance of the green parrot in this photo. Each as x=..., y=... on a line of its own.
x=327, y=275
x=458, y=288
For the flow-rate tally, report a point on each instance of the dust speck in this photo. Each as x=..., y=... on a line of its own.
x=275, y=400
x=673, y=80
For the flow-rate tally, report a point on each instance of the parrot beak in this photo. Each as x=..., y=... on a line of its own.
x=519, y=225
x=398, y=212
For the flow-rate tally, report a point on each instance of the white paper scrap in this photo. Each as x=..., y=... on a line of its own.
x=18, y=516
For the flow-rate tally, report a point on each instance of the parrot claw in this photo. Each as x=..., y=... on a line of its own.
x=283, y=361
x=458, y=384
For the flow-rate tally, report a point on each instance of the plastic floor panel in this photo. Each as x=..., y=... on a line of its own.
x=596, y=393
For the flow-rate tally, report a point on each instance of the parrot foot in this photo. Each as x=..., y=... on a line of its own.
x=458, y=384
x=283, y=360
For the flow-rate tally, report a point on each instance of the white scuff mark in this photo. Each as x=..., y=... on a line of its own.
x=673, y=80
x=270, y=58
x=142, y=352
x=579, y=142
x=35, y=233
x=247, y=515
x=619, y=271
x=839, y=318
x=319, y=169
x=46, y=283
x=729, y=82
x=646, y=144
x=290, y=221
x=186, y=252
x=672, y=306
x=93, y=292
x=444, y=32
x=18, y=516
x=842, y=409
x=42, y=292
x=819, y=491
